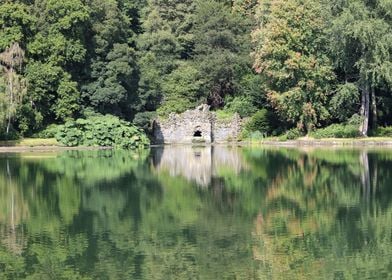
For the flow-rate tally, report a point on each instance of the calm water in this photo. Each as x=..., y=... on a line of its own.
x=197, y=213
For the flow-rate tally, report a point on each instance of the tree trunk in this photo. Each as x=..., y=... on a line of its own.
x=374, y=108
x=365, y=111
x=12, y=59
x=11, y=89
x=8, y=126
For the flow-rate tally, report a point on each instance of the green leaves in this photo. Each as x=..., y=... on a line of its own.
x=290, y=56
x=181, y=89
x=113, y=83
x=362, y=50
x=260, y=121
x=345, y=101
x=52, y=93
x=220, y=53
x=57, y=49
x=139, y=58
x=165, y=47
x=15, y=22
x=68, y=102
x=106, y=131
x=362, y=36
x=337, y=131
x=65, y=15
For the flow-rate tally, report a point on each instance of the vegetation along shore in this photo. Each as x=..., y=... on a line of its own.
x=98, y=73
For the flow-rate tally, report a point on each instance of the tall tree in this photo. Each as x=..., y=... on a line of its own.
x=220, y=49
x=362, y=44
x=15, y=23
x=11, y=61
x=290, y=54
x=57, y=52
x=111, y=73
x=166, y=43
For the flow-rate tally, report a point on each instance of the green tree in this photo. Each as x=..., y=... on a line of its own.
x=111, y=80
x=290, y=55
x=344, y=102
x=165, y=45
x=181, y=88
x=221, y=53
x=361, y=36
x=56, y=54
x=11, y=61
x=15, y=23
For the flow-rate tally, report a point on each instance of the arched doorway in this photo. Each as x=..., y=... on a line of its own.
x=197, y=133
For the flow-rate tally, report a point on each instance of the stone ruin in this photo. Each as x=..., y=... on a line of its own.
x=196, y=126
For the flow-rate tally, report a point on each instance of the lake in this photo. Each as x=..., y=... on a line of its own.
x=197, y=213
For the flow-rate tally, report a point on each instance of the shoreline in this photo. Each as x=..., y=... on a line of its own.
x=22, y=149
x=41, y=145
x=372, y=142
x=329, y=142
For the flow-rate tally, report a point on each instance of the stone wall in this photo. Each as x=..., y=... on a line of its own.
x=226, y=130
x=196, y=126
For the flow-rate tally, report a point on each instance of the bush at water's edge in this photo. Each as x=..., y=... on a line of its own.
x=108, y=131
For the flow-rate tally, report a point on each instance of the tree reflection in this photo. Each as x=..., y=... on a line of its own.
x=261, y=214
x=316, y=224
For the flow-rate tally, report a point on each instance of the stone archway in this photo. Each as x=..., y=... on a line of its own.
x=197, y=133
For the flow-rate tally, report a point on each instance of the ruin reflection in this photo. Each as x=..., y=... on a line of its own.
x=198, y=164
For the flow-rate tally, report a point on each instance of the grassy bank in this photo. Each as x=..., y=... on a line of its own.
x=308, y=141
x=40, y=145
x=303, y=141
x=30, y=142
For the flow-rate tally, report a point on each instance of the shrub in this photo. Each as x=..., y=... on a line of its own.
x=12, y=134
x=383, y=131
x=106, y=130
x=260, y=122
x=355, y=120
x=256, y=135
x=144, y=120
x=48, y=132
x=337, y=131
x=291, y=134
x=28, y=120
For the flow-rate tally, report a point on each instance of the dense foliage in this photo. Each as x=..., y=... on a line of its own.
x=311, y=62
x=291, y=56
x=106, y=131
x=263, y=121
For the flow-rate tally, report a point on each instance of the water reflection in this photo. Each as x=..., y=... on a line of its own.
x=204, y=213
x=199, y=163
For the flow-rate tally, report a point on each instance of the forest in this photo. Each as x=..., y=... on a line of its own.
x=297, y=67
